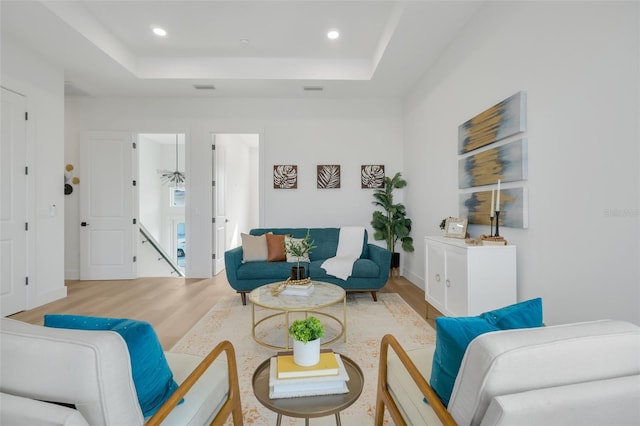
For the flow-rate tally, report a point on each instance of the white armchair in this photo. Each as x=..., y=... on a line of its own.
x=573, y=374
x=53, y=376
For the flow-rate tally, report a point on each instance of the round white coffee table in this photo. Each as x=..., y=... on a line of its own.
x=324, y=295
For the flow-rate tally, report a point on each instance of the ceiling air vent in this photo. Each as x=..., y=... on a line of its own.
x=313, y=88
x=204, y=87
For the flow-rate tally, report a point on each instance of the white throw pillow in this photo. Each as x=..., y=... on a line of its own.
x=254, y=248
x=295, y=259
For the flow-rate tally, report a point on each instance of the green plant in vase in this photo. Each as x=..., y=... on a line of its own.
x=306, y=330
x=300, y=250
x=392, y=224
x=306, y=335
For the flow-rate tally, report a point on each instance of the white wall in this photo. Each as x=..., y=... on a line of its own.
x=42, y=83
x=156, y=212
x=579, y=64
x=150, y=205
x=170, y=215
x=303, y=132
x=241, y=185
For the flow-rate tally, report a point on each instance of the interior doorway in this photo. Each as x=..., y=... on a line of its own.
x=13, y=207
x=162, y=204
x=235, y=197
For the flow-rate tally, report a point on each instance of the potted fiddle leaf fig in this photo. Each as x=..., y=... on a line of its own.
x=299, y=249
x=306, y=334
x=392, y=224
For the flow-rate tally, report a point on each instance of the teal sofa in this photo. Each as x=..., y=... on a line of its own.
x=370, y=271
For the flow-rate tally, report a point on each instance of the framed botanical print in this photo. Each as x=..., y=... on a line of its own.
x=372, y=176
x=328, y=176
x=285, y=177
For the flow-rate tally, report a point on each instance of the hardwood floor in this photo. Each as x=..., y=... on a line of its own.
x=414, y=296
x=172, y=305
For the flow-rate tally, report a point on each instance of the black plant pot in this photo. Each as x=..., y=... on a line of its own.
x=395, y=260
x=298, y=273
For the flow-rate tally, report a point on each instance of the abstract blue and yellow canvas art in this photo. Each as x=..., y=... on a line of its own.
x=507, y=162
x=502, y=120
x=476, y=207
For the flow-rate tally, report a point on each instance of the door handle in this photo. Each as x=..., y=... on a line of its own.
x=83, y=223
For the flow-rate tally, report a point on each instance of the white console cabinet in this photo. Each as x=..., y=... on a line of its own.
x=464, y=280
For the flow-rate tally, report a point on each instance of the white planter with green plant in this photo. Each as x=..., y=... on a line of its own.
x=306, y=334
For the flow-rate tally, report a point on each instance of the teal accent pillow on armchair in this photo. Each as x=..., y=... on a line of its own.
x=527, y=314
x=151, y=373
x=453, y=335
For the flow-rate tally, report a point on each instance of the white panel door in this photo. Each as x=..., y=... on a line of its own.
x=219, y=207
x=107, y=228
x=13, y=202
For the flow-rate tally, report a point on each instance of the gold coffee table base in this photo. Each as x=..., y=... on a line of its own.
x=307, y=407
x=343, y=331
x=324, y=295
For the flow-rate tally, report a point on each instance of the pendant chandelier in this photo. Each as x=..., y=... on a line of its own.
x=173, y=178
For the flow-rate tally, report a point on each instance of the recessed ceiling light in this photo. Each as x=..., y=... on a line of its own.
x=333, y=34
x=161, y=32
x=244, y=40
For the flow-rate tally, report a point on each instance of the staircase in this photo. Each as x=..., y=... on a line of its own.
x=152, y=259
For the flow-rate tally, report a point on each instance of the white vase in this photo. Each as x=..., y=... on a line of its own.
x=306, y=354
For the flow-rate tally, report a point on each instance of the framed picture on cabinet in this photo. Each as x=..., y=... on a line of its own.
x=455, y=228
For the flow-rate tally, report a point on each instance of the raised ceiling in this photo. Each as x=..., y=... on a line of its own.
x=242, y=48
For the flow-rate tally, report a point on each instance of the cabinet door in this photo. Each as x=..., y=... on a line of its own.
x=435, y=276
x=456, y=282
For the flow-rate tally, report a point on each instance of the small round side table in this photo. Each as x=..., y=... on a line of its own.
x=307, y=407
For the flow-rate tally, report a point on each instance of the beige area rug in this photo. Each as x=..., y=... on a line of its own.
x=367, y=322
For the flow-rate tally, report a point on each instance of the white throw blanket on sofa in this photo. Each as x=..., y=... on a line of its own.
x=349, y=250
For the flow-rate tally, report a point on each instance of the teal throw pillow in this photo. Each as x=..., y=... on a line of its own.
x=151, y=373
x=525, y=314
x=453, y=335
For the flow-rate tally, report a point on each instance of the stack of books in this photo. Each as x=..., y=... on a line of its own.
x=289, y=380
x=298, y=289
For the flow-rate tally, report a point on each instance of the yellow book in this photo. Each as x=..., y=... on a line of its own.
x=287, y=369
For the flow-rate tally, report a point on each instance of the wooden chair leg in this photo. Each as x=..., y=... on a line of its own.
x=374, y=294
x=243, y=295
x=379, y=414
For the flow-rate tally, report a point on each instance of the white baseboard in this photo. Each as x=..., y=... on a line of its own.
x=414, y=279
x=48, y=297
x=72, y=274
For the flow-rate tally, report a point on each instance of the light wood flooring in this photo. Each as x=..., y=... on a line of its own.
x=172, y=305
